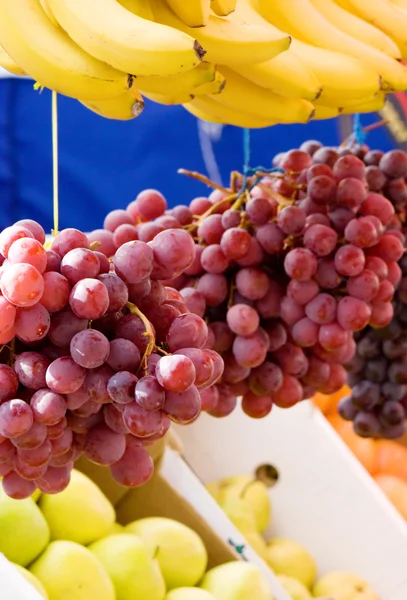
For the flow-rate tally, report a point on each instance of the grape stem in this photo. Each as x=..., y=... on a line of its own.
x=203, y=179
x=95, y=245
x=148, y=332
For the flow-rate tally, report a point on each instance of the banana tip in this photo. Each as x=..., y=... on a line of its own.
x=137, y=107
x=199, y=51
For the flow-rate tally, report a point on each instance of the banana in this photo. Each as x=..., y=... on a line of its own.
x=373, y=105
x=385, y=15
x=227, y=41
x=285, y=75
x=195, y=13
x=326, y=112
x=169, y=99
x=125, y=40
x=125, y=107
x=141, y=8
x=314, y=29
x=185, y=82
x=48, y=12
x=212, y=87
x=8, y=63
x=303, y=70
x=357, y=28
x=207, y=109
x=223, y=8
x=401, y=3
x=243, y=95
x=50, y=57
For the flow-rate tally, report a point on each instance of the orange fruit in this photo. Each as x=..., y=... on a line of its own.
x=396, y=491
x=363, y=449
x=391, y=459
x=327, y=403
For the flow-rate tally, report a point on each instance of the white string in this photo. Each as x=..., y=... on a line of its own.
x=209, y=133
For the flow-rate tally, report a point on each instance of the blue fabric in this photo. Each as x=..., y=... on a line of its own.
x=104, y=164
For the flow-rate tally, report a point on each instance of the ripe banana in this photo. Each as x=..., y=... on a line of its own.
x=401, y=3
x=385, y=15
x=326, y=112
x=223, y=8
x=8, y=63
x=373, y=105
x=169, y=99
x=141, y=8
x=303, y=69
x=207, y=109
x=195, y=13
x=125, y=107
x=227, y=41
x=185, y=82
x=357, y=28
x=243, y=95
x=50, y=57
x=314, y=29
x=48, y=12
x=212, y=87
x=285, y=74
x=124, y=40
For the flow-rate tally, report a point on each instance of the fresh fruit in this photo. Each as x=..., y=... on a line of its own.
x=295, y=589
x=98, y=381
x=24, y=530
x=81, y=513
x=133, y=570
x=240, y=513
x=344, y=586
x=34, y=581
x=289, y=558
x=189, y=593
x=180, y=553
x=396, y=491
x=237, y=581
x=68, y=570
x=253, y=492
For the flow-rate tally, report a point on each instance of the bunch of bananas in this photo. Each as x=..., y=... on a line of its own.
x=250, y=63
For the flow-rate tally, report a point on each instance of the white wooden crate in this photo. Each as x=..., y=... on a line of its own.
x=324, y=498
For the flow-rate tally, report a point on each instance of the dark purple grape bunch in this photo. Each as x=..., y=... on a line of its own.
x=377, y=405
x=98, y=356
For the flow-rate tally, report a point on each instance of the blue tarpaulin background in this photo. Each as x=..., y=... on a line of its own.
x=104, y=164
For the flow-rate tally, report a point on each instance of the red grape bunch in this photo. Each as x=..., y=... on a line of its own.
x=285, y=273
x=97, y=356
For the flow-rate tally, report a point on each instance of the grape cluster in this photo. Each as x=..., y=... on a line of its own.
x=287, y=269
x=287, y=272
x=378, y=375
x=97, y=355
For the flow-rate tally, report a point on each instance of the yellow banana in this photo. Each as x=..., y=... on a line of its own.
x=227, y=41
x=303, y=21
x=48, y=12
x=372, y=105
x=207, y=109
x=185, y=82
x=285, y=75
x=357, y=28
x=243, y=95
x=141, y=8
x=50, y=57
x=212, y=87
x=195, y=13
x=8, y=63
x=326, y=112
x=169, y=99
x=125, y=107
x=223, y=8
x=303, y=70
x=385, y=15
x=124, y=40
x=401, y=3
